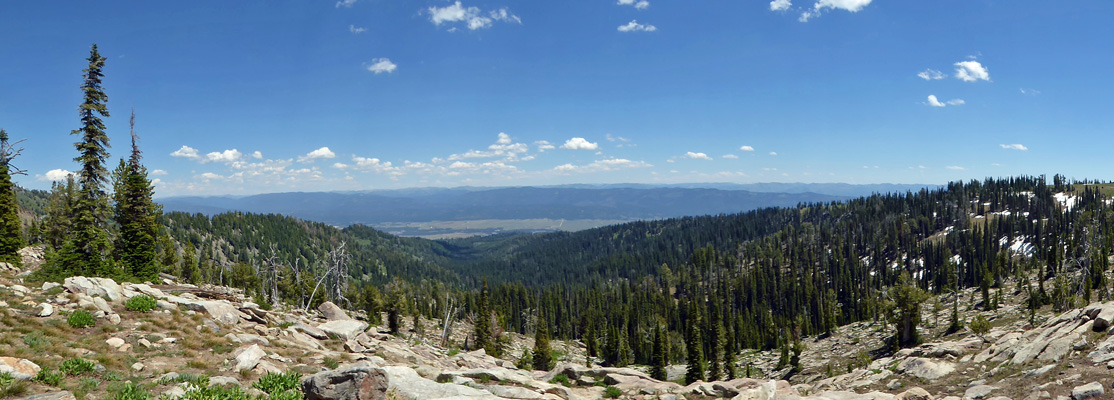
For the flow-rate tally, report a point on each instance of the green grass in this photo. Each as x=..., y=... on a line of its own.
x=35, y=340
x=560, y=379
x=330, y=362
x=9, y=387
x=612, y=392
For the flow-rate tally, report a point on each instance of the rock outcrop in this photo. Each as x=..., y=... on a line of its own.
x=362, y=381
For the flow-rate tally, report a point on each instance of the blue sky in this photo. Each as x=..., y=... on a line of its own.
x=266, y=96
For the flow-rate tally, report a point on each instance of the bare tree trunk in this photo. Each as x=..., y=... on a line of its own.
x=446, y=323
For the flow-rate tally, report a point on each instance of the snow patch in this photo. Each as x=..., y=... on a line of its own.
x=1066, y=200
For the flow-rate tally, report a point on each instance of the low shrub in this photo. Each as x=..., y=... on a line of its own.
x=560, y=379
x=273, y=383
x=612, y=392
x=81, y=319
x=77, y=366
x=141, y=303
x=49, y=377
x=131, y=391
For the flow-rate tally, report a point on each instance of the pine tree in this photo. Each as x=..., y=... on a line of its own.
x=482, y=328
x=903, y=310
x=695, y=347
x=543, y=355
x=731, y=370
x=85, y=250
x=137, y=214
x=11, y=231
x=715, y=364
x=660, y=358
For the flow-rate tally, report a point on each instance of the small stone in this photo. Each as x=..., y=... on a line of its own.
x=146, y=343
x=137, y=367
x=50, y=285
x=99, y=314
x=223, y=381
x=115, y=342
x=1093, y=389
x=114, y=319
x=126, y=347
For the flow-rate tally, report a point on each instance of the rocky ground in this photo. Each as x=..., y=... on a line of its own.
x=216, y=332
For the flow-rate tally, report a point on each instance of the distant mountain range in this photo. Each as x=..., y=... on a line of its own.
x=572, y=202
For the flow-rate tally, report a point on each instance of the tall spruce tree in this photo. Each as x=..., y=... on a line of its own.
x=660, y=361
x=11, y=233
x=482, y=328
x=86, y=249
x=543, y=355
x=137, y=214
x=695, y=347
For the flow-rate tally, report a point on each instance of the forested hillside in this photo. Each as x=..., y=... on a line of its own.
x=713, y=285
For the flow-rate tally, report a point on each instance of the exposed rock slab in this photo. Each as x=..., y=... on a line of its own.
x=361, y=381
x=344, y=329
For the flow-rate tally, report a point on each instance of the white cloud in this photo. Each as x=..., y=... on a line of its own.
x=773, y=153
x=381, y=65
x=931, y=75
x=1015, y=146
x=503, y=138
x=822, y=5
x=258, y=155
x=971, y=71
x=780, y=5
x=697, y=156
x=473, y=17
x=579, y=143
x=935, y=102
x=186, y=152
x=638, y=4
x=315, y=155
x=746, y=148
x=611, y=138
x=610, y=164
x=544, y=145
x=1030, y=92
x=227, y=156
x=346, y=3
x=158, y=172
x=730, y=156
x=55, y=175
x=356, y=30
x=634, y=26
x=210, y=176
x=955, y=168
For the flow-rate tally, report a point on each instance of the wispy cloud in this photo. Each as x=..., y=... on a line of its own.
x=823, y=5
x=634, y=26
x=602, y=165
x=544, y=145
x=381, y=66
x=931, y=75
x=935, y=102
x=1015, y=146
x=356, y=30
x=346, y=3
x=697, y=156
x=746, y=148
x=472, y=17
x=780, y=5
x=730, y=156
x=637, y=4
x=955, y=168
